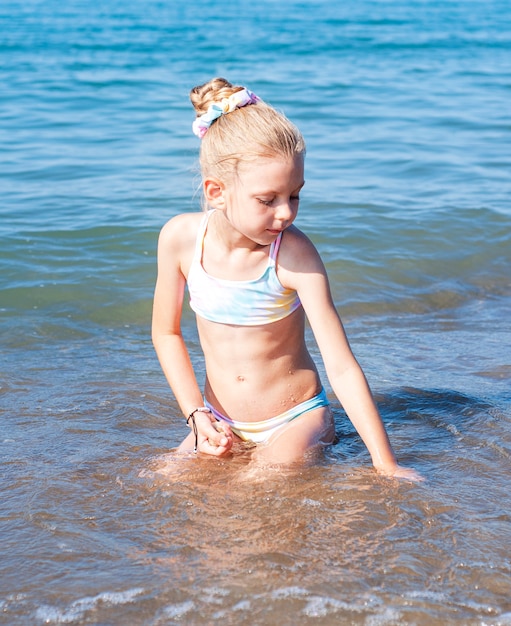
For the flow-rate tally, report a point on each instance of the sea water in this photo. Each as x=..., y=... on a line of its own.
x=405, y=108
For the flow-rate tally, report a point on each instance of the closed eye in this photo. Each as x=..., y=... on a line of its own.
x=265, y=202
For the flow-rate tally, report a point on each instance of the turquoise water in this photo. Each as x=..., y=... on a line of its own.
x=405, y=110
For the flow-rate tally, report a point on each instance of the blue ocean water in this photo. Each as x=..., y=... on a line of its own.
x=405, y=110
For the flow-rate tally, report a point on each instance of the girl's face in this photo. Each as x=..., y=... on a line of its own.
x=263, y=199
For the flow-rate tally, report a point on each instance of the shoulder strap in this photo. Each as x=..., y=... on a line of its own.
x=275, y=247
x=199, y=241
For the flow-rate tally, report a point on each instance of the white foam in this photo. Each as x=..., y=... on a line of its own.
x=501, y=620
x=387, y=616
x=215, y=595
x=78, y=608
x=242, y=605
x=310, y=502
x=318, y=606
x=178, y=610
x=422, y=594
x=287, y=592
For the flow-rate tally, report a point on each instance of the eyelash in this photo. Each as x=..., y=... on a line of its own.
x=269, y=202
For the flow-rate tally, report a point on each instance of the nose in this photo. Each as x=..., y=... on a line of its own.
x=284, y=212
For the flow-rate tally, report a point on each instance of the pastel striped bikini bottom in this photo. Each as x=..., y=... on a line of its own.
x=260, y=432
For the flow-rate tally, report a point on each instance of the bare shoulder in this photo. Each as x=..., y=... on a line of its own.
x=299, y=265
x=297, y=252
x=176, y=243
x=180, y=230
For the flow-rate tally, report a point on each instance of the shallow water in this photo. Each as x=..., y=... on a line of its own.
x=405, y=109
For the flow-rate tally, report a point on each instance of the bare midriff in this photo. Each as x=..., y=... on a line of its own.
x=254, y=373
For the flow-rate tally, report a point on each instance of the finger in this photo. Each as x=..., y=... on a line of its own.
x=403, y=473
x=215, y=440
x=211, y=448
x=221, y=440
x=223, y=435
x=222, y=427
x=406, y=473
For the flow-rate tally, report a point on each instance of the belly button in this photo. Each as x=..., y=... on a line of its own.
x=240, y=378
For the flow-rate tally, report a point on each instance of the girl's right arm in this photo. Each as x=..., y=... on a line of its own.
x=346, y=377
x=175, y=243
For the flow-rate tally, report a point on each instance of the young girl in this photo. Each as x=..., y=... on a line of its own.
x=252, y=278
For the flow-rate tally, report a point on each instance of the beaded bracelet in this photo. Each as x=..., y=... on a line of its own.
x=200, y=409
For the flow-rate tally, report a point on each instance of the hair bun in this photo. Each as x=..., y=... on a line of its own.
x=215, y=90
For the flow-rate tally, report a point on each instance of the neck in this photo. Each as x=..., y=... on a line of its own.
x=225, y=235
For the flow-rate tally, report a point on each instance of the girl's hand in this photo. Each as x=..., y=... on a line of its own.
x=402, y=473
x=213, y=437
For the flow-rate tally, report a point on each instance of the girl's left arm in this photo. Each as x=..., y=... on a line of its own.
x=344, y=373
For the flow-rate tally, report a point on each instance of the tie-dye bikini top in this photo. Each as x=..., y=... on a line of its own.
x=240, y=302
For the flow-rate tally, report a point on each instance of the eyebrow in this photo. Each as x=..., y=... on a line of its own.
x=271, y=191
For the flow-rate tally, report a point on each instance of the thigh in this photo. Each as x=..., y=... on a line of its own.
x=313, y=429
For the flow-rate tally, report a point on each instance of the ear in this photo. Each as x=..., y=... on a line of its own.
x=214, y=193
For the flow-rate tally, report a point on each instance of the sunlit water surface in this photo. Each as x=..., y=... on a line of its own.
x=405, y=109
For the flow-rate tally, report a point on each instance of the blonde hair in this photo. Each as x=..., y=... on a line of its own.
x=247, y=133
